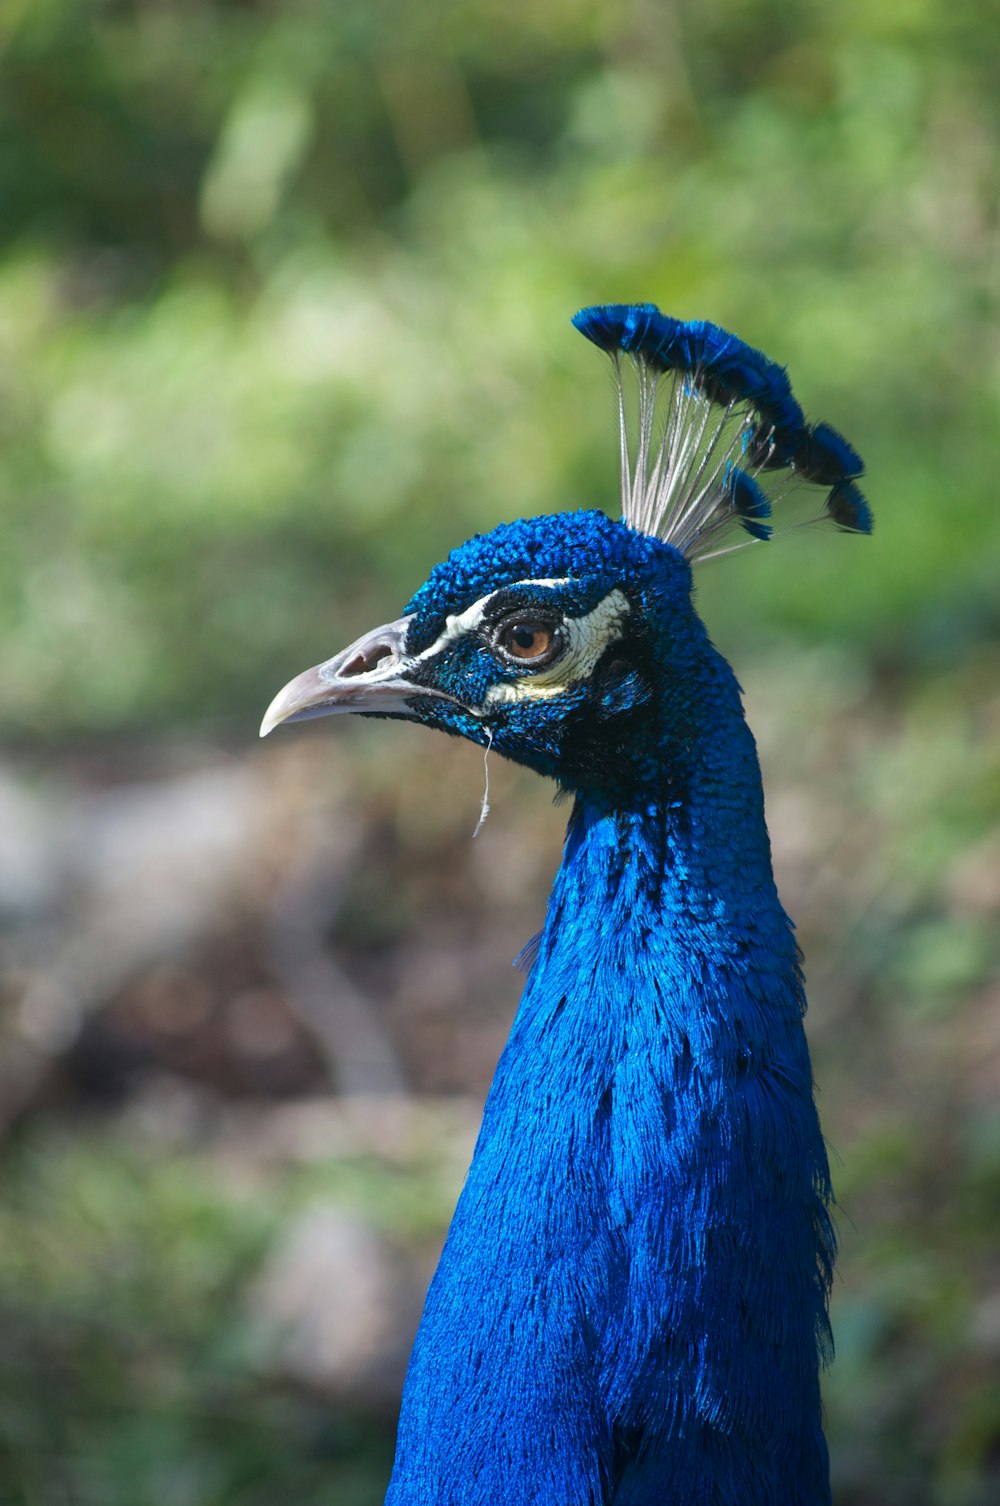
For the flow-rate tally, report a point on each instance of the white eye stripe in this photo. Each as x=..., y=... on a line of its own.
x=469, y=620
x=587, y=638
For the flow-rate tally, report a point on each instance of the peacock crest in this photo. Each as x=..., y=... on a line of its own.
x=720, y=436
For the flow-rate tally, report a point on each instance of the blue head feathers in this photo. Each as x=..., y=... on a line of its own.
x=550, y=636
x=715, y=416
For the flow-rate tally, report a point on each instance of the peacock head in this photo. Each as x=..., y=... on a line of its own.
x=560, y=641
x=546, y=639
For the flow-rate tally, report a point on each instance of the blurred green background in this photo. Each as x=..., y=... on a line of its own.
x=284, y=301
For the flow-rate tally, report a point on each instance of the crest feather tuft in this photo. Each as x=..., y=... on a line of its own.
x=714, y=414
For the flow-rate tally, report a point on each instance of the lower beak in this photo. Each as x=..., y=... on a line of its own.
x=370, y=676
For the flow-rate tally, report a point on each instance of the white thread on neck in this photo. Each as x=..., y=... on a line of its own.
x=484, y=812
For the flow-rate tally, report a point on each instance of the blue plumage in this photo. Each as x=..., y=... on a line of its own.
x=631, y=1304
x=750, y=502
x=824, y=456
x=848, y=508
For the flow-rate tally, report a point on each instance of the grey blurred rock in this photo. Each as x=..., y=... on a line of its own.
x=336, y=1307
x=100, y=886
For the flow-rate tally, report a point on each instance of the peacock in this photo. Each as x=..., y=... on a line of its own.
x=631, y=1305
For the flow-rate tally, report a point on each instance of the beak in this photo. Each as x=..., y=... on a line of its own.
x=370, y=676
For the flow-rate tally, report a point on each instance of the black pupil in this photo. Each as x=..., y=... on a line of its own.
x=524, y=636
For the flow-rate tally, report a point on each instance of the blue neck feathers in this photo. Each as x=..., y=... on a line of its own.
x=632, y=1299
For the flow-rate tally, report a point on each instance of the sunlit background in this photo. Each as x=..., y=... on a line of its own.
x=284, y=303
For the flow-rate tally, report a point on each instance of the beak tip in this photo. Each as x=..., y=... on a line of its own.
x=275, y=714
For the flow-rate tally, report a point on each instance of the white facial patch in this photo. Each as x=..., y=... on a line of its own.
x=469, y=620
x=586, y=637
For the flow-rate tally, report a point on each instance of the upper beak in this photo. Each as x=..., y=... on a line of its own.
x=368, y=676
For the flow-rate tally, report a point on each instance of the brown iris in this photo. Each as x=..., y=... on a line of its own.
x=527, y=639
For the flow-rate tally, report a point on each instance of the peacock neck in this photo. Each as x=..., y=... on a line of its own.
x=631, y=1298
x=676, y=855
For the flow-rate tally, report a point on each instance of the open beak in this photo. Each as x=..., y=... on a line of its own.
x=369, y=676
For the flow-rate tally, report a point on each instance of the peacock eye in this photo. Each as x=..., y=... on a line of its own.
x=529, y=640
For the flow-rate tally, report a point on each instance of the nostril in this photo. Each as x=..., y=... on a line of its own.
x=366, y=659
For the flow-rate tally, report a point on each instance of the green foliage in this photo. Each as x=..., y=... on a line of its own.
x=130, y=1372
x=284, y=299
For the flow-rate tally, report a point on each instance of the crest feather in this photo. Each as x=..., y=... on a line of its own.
x=714, y=415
